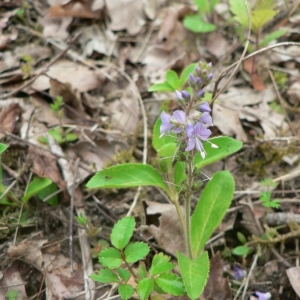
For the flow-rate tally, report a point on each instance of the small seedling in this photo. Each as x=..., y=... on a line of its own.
x=266, y=196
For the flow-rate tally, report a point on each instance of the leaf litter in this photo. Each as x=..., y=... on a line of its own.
x=103, y=111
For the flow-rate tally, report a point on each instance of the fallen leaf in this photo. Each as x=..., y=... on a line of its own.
x=13, y=281
x=169, y=232
x=250, y=66
x=294, y=278
x=9, y=115
x=217, y=287
x=79, y=77
x=217, y=44
x=121, y=14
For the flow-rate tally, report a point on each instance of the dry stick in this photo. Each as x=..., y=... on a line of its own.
x=282, y=103
x=226, y=70
x=249, y=276
x=52, y=62
x=236, y=64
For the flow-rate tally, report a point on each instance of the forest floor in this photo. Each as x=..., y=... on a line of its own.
x=74, y=90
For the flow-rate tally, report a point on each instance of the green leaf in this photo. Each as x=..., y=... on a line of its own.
x=124, y=274
x=47, y=191
x=194, y=273
x=3, y=147
x=126, y=291
x=170, y=283
x=179, y=173
x=72, y=137
x=227, y=146
x=273, y=36
x=161, y=87
x=136, y=251
x=145, y=287
x=105, y=276
x=211, y=208
x=110, y=258
x=260, y=17
x=172, y=79
x=185, y=74
x=195, y=23
x=128, y=175
x=239, y=9
x=142, y=271
x=35, y=186
x=241, y=238
x=160, y=264
x=159, y=143
x=241, y=250
x=122, y=232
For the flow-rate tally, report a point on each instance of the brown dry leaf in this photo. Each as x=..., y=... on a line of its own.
x=96, y=39
x=126, y=14
x=12, y=281
x=294, y=93
x=169, y=234
x=45, y=166
x=9, y=115
x=60, y=279
x=294, y=278
x=228, y=122
x=217, y=287
x=70, y=97
x=172, y=32
x=125, y=112
x=80, y=77
x=217, y=44
x=95, y=157
x=250, y=66
x=56, y=27
x=76, y=9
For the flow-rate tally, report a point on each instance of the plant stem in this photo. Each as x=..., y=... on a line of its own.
x=188, y=208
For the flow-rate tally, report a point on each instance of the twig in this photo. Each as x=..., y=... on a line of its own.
x=52, y=62
x=237, y=64
x=260, y=51
x=282, y=102
x=249, y=276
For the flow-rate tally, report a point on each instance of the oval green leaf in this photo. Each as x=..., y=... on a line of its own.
x=145, y=287
x=105, y=276
x=194, y=273
x=226, y=146
x=122, y=232
x=110, y=258
x=171, y=284
x=126, y=291
x=35, y=186
x=128, y=175
x=3, y=147
x=211, y=208
x=136, y=251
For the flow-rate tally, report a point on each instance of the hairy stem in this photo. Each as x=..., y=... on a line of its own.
x=188, y=208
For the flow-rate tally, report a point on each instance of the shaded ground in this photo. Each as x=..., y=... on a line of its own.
x=101, y=58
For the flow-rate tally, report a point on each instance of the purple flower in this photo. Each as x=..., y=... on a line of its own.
x=263, y=296
x=206, y=118
x=201, y=94
x=172, y=123
x=239, y=273
x=192, y=78
x=196, y=135
x=210, y=76
x=186, y=95
x=204, y=107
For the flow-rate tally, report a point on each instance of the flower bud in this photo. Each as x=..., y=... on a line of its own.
x=201, y=94
x=186, y=95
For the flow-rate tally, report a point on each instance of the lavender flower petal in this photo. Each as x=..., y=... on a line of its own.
x=206, y=118
x=204, y=107
x=263, y=296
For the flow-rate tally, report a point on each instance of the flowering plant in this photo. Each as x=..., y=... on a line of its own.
x=182, y=142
